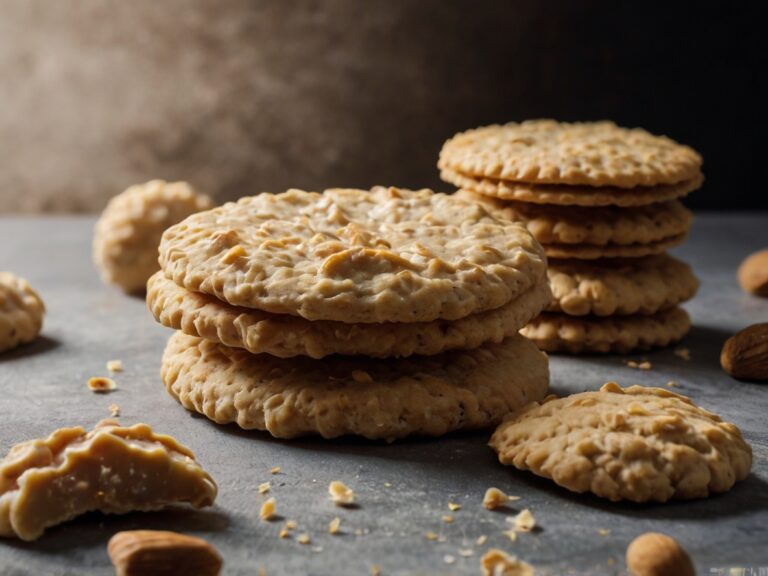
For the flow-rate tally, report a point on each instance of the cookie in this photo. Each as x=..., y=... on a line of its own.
x=129, y=230
x=588, y=252
x=384, y=255
x=620, y=286
x=593, y=226
x=21, y=312
x=284, y=336
x=556, y=194
x=619, y=334
x=340, y=395
x=583, y=153
x=639, y=444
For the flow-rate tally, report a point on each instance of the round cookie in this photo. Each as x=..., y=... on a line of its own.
x=639, y=444
x=21, y=312
x=377, y=399
x=582, y=153
x=384, y=255
x=129, y=230
x=587, y=252
x=619, y=334
x=620, y=287
x=565, y=195
x=285, y=336
x=593, y=226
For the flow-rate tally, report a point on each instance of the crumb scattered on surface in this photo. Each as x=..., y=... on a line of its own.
x=683, y=353
x=334, y=525
x=114, y=410
x=268, y=509
x=466, y=552
x=603, y=531
x=304, y=539
x=375, y=570
x=481, y=540
x=498, y=563
x=448, y=519
x=275, y=470
x=495, y=498
x=284, y=533
x=290, y=524
x=115, y=366
x=340, y=494
x=264, y=487
x=673, y=384
x=448, y=559
x=101, y=384
x=645, y=365
x=387, y=484
x=453, y=506
x=511, y=534
x=431, y=536
x=523, y=522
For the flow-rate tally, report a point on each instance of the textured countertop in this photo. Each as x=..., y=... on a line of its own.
x=403, y=489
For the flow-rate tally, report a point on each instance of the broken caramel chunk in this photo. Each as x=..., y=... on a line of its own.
x=112, y=469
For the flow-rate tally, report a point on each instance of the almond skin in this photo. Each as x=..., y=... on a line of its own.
x=745, y=355
x=161, y=553
x=753, y=274
x=654, y=554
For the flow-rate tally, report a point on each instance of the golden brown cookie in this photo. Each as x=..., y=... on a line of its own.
x=129, y=230
x=583, y=153
x=607, y=226
x=639, y=444
x=21, y=312
x=284, y=336
x=554, y=332
x=620, y=286
x=339, y=395
x=385, y=255
x=588, y=252
x=570, y=195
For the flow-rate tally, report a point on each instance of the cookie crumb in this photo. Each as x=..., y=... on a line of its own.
x=375, y=570
x=511, y=534
x=340, y=494
x=495, y=498
x=333, y=526
x=304, y=539
x=115, y=366
x=431, y=536
x=603, y=532
x=673, y=384
x=481, y=540
x=284, y=533
x=523, y=522
x=275, y=470
x=496, y=561
x=114, y=410
x=453, y=506
x=448, y=559
x=290, y=524
x=267, y=512
x=645, y=365
x=683, y=353
x=264, y=487
x=448, y=519
x=466, y=552
x=101, y=384
x=631, y=364
x=387, y=484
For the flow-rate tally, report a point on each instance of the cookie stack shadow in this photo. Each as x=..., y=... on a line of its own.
x=382, y=313
x=604, y=202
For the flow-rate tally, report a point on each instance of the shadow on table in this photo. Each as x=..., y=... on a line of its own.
x=40, y=345
x=95, y=529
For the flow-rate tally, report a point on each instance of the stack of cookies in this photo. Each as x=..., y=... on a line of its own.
x=604, y=203
x=379, y=313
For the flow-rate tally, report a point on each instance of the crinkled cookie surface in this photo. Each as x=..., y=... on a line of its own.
x=639, y=444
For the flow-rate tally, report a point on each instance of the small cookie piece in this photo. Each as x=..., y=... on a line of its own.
x=620, y=286
x=385, y=255
x=377, y=399
x=587, y=252
x=113, y=469
x=565, y=195
x=129, y=230
x=593, y=226
x=21, y=312
x=618, y=334
x=640, y=444
x=581, y=153
x=284, y=336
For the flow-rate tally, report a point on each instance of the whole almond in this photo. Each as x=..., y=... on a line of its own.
x=160, y=553
x=654, y=554
x=745, y=355
x=753, y=274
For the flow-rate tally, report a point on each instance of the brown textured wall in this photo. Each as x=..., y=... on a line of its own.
x=241, y=96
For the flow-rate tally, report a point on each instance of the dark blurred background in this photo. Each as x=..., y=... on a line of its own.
x=241, y=96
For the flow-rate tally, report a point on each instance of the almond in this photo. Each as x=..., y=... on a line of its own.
x=753, y=274
x=654, y=554
x=158, y=552
x=745, y=355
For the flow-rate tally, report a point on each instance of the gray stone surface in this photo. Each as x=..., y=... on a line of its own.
x=42, y=387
